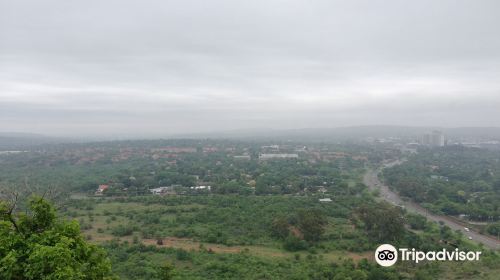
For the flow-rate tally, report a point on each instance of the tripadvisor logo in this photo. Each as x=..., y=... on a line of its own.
x=387, y=255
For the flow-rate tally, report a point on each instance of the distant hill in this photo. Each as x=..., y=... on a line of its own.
x=480, y=132
x=23, y=141
x=351, y=133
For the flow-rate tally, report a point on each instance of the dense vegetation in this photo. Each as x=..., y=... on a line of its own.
x=261, y=219
x=218, y=237
x=225, y=219
x=37, y=245
x=452, y=180
x=139, y=262
x=132, y=168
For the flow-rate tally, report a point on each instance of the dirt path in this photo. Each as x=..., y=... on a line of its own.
x=261, y=251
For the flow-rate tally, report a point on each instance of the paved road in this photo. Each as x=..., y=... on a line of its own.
x=371, y=180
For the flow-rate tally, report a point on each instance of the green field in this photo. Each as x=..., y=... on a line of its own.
x=216, y=237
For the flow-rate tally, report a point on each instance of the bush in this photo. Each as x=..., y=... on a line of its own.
x=293, y=244
x=182, y=255
x=417, y=222
x=493, y=229
x=122, y=230
x=183, y=233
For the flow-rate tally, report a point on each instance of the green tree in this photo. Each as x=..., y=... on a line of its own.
x=311, y=223
x=382, y=221
x=279, y=227
x=416, y=221
x=494, y=229
x=36, y=245
x=167, y=271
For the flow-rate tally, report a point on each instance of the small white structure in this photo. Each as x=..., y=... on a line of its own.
x=322, y=189
x=243, y=157
x=325, y=199
x=162, y=190
x=201, y=188
x=277, y=156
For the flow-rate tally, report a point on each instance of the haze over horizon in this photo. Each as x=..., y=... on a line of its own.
x=152, y=68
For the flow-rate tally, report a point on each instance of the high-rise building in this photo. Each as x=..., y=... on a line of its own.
x=426, y=139
x=434, y=139
x=437, y=138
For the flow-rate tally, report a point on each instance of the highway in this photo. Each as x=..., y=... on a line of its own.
x=371, y=180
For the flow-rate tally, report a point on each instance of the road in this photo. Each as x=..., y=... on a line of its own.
x=371, y=180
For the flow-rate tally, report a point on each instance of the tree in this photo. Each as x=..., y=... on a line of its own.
x=36, y=245
x=493, y=229
x=382, y=221
x=416, y=221
x=311, y=223
x=279, y=227
x=166, y=271
x=293, y=243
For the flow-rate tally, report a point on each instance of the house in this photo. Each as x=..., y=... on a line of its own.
x=243, y=157
x=325, y=199
x=100, y=190
x=163, y=190
x=201, y=188
x=322, y=189
x=277, y=156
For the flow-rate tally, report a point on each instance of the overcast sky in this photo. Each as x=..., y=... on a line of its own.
x=141, y=67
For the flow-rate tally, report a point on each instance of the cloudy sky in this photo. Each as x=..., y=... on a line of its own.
x=142, y=67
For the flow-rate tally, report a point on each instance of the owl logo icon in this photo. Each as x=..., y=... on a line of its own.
x=386, y=255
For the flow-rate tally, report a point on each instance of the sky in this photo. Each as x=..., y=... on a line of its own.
x=159, y=68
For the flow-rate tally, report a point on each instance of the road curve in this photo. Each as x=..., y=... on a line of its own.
x=371, y=180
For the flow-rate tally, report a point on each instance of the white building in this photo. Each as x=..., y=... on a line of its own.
x=201, y=188
x=243, y=157
x=162, y=190
x=277, y=156
x=434, y=139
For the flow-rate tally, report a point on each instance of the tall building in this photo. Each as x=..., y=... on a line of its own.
x=434, y=139
x=426, y=139
x=437, y=138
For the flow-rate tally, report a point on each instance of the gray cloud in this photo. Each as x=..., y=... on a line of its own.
x=163, y=67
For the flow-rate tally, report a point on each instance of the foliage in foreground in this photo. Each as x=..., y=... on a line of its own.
x=36, y=245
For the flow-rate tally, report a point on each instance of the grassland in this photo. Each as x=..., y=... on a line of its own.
x=219, y=235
